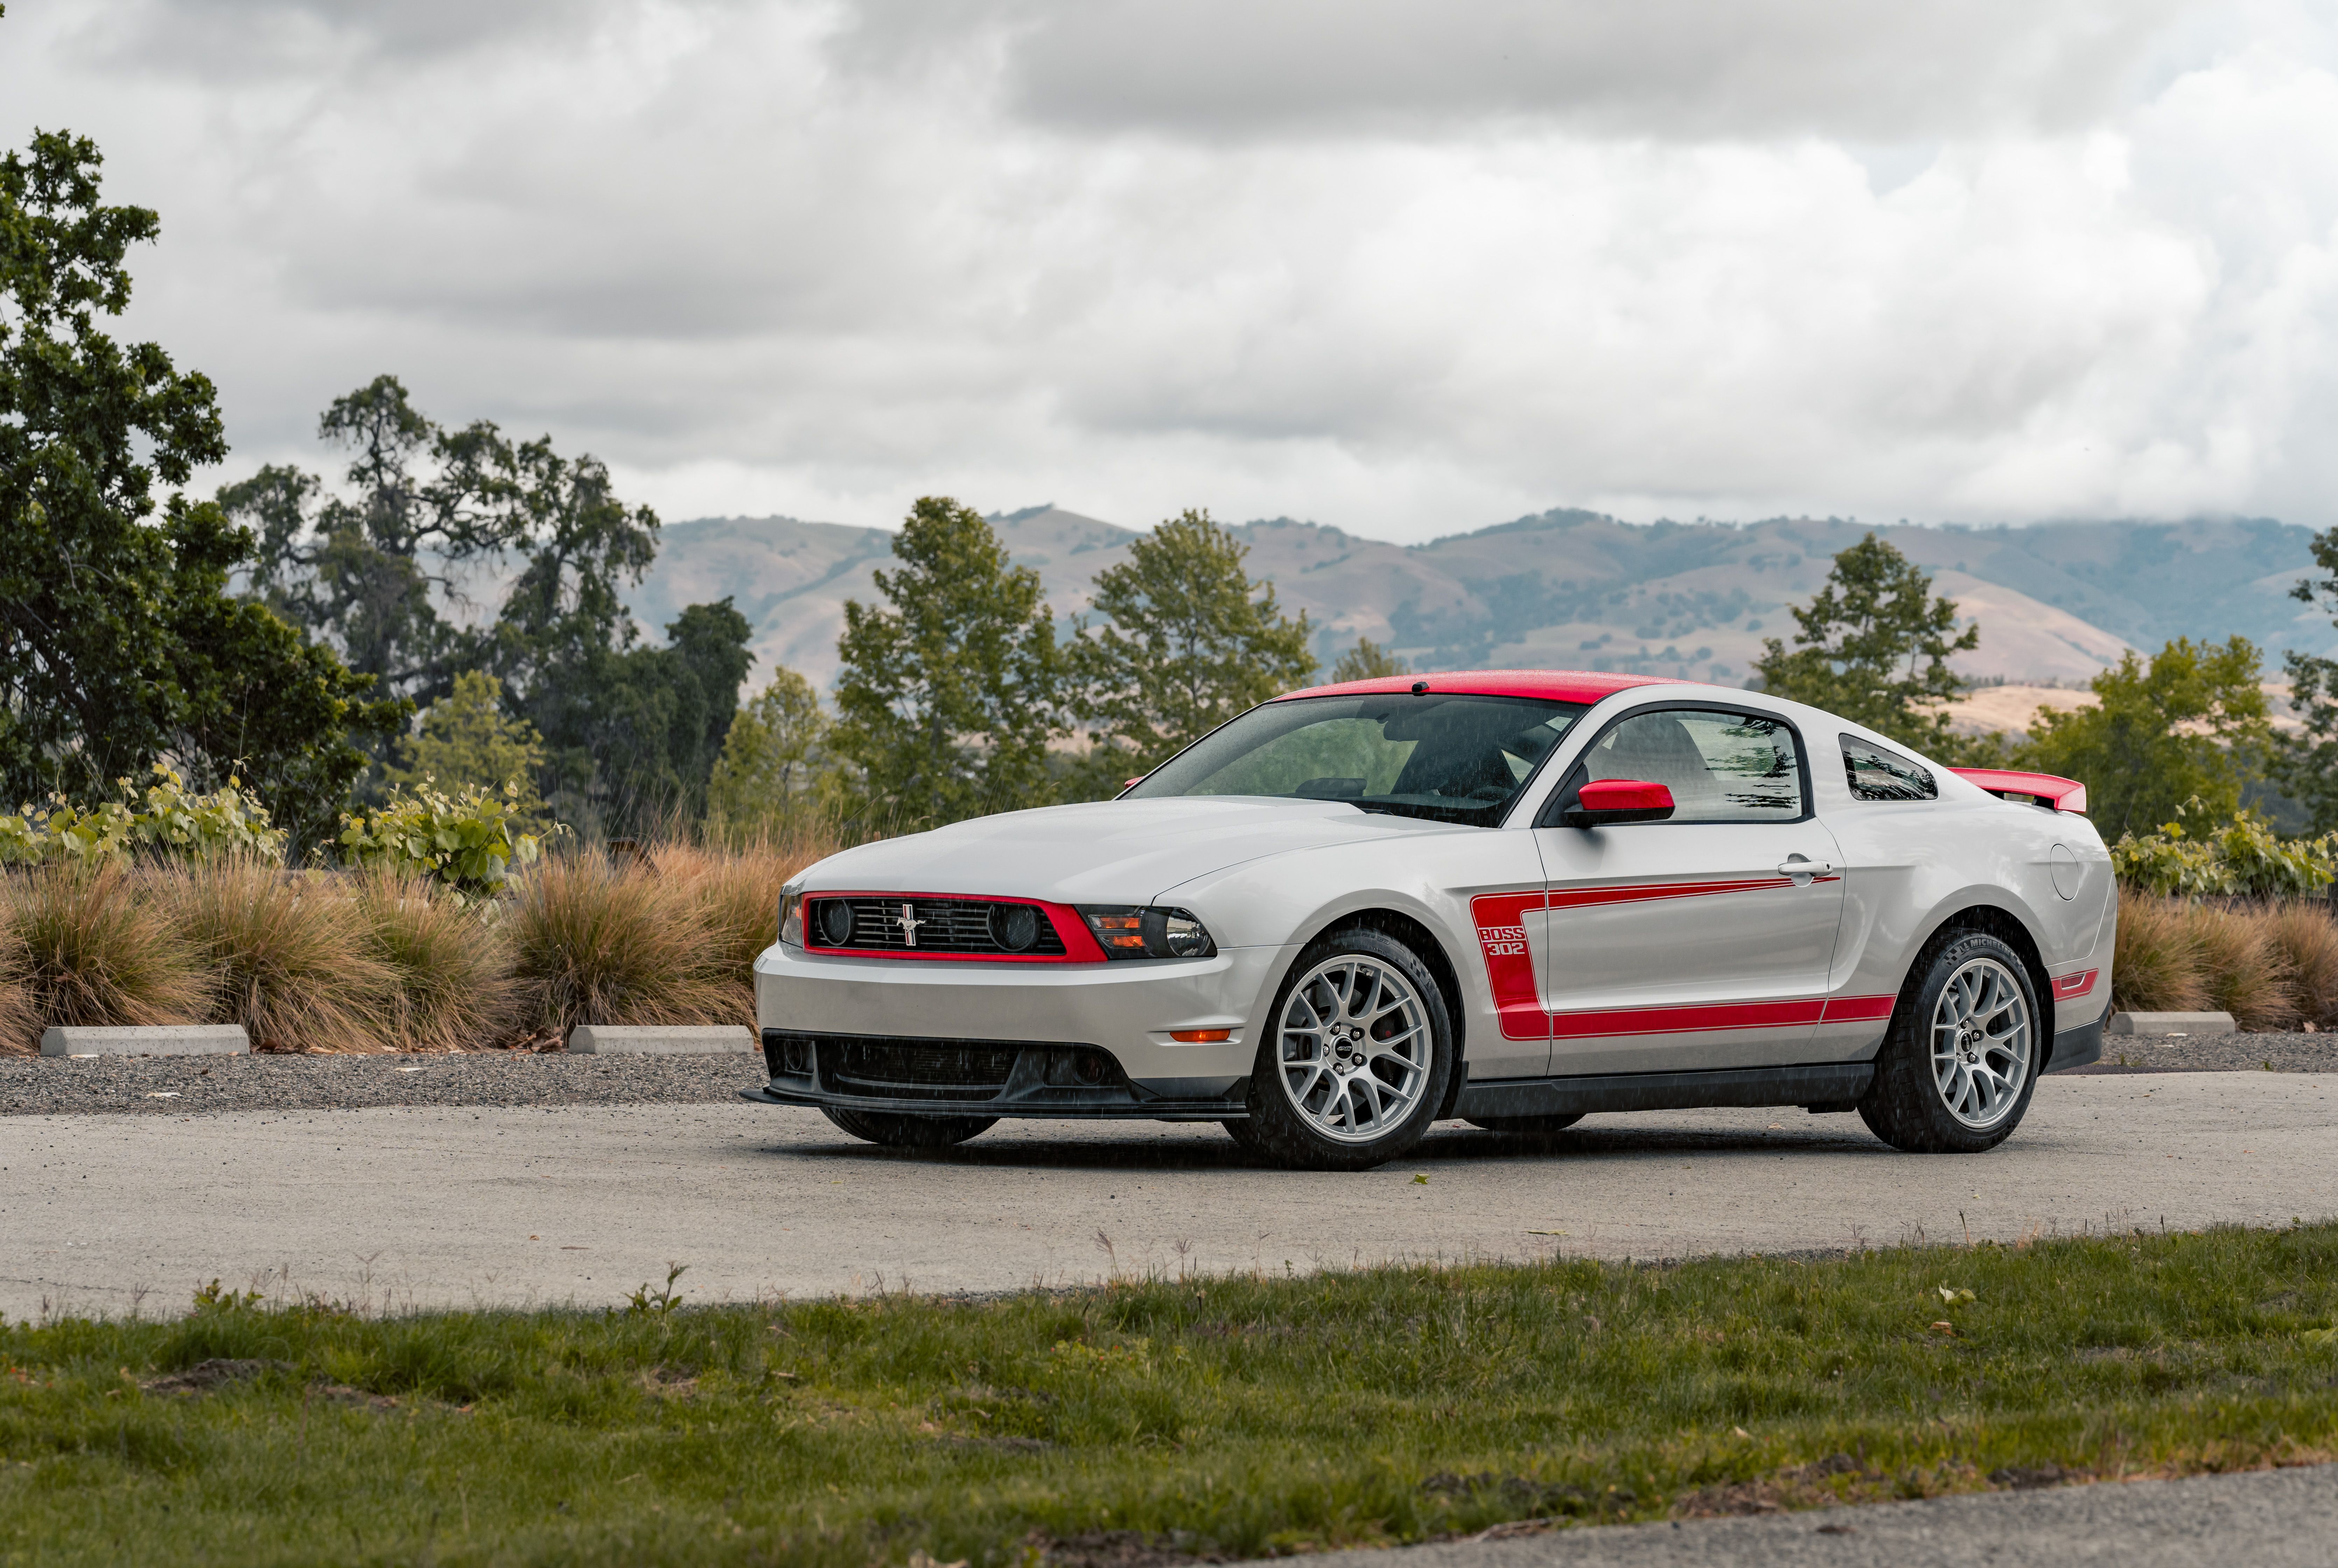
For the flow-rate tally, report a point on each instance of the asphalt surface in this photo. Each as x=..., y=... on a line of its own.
x=2263, y=1519
x=460, y=1205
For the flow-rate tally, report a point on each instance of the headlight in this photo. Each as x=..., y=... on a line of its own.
x=791, y=915
x=1129, y=931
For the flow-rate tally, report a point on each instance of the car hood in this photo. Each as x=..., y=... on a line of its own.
x=1107, y=852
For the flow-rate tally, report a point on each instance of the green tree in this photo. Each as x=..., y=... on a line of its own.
x=2305, y=765
x=120, y=643
x=426, y=513
x=771, y=759
x=1189, y=640
x=1873, y=647
x=466, y=737
x=949, y=697
x=1367, y=660
x=2192, y=723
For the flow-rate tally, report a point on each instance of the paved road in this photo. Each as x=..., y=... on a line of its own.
x=2267, y=1519
x=424, y=1206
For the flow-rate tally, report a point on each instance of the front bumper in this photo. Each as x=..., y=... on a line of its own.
x=1125, y=1011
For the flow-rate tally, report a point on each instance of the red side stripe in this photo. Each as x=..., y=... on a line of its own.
x=1858, y=1009
x=1640, y=892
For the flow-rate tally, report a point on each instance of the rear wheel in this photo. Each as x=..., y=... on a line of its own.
x=1956, y=1071
x=1356, y=1064
x=895, y=1131
x=1524, y=1124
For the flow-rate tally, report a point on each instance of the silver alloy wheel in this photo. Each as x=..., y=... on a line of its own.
x=1982, y=1043
x=1355, y=1048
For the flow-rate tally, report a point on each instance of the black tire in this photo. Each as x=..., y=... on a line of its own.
x=1908, y=1103
x=1527, y=1124
x=1244, y=1132
x=895, y=1131
x=1277, y=1129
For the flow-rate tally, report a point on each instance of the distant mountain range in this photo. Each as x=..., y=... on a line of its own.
x=1577, y=590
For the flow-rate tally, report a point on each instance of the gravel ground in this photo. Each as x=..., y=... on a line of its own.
x=176, y=1085
x=2316, y=1052
x=38, y=1086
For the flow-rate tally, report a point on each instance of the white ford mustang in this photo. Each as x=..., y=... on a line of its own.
x=1510, y=896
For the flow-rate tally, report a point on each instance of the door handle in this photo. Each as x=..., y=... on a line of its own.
x=1804, y=871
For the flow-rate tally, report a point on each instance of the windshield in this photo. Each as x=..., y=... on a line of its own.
x=1452, y=757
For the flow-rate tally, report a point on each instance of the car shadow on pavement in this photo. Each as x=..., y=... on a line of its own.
x=1038, y=1145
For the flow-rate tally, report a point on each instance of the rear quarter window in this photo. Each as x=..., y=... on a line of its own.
x=1876, y=774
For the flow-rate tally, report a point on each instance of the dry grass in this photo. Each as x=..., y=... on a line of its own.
x=593, y=943
x=88, y=950
x=735, y=899
x=289, y=954
x=2305, y=939
x=20, y=1016
x=2156, y=965
x=450, y=966
x=2242, y=972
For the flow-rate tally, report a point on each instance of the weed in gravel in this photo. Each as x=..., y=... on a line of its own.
x=449, y=962
x=289, y=954
x=593, y=943
x=88, y=950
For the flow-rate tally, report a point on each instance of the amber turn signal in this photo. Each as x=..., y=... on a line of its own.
x=1201, y=1036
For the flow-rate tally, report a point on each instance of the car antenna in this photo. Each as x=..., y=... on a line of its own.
x=1419, y=687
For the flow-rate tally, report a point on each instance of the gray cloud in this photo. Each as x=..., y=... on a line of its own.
x=1685, y=69
x=799, y=258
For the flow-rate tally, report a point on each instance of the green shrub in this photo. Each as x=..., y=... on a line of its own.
x=2242, y=857
x=287, y=952
x=468, y=842
x=166, y=822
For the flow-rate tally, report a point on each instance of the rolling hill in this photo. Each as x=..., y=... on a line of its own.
x=1570, y=589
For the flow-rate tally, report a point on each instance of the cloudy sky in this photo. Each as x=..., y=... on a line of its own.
x=1404, y=266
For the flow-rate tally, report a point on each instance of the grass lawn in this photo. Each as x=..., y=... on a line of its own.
x=1234, y=1417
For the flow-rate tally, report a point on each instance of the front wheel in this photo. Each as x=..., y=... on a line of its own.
x=1957, y=1070
x=1358, y=1060
x=895, y=1131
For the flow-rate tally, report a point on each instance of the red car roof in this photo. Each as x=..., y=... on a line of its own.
x=1557, y=685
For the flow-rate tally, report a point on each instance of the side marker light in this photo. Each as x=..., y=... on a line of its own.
x=1201, y=1036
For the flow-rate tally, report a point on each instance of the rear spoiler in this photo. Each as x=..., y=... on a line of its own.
x=2029, y=789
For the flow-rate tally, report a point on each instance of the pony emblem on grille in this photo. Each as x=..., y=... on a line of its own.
x=909, y=922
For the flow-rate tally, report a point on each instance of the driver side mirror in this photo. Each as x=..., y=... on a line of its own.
x=1603, y=802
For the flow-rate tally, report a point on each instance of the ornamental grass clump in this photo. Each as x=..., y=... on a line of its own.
x=449, y=963
x=593, y=943
x=289, y=955
x=2306, y=940
x=2241, y=971
x=736, y=897
x=88, y=951
x=2155, y=966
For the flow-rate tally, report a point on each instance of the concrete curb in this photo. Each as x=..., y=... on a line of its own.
x=154, y=1040
x=661, y=1040
x=2189, y=1024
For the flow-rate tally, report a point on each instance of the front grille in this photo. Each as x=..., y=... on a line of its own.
x=948, y=927
x=891, y=1069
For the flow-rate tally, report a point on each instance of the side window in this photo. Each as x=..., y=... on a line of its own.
x=1876, y=774
x=1721, y=767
